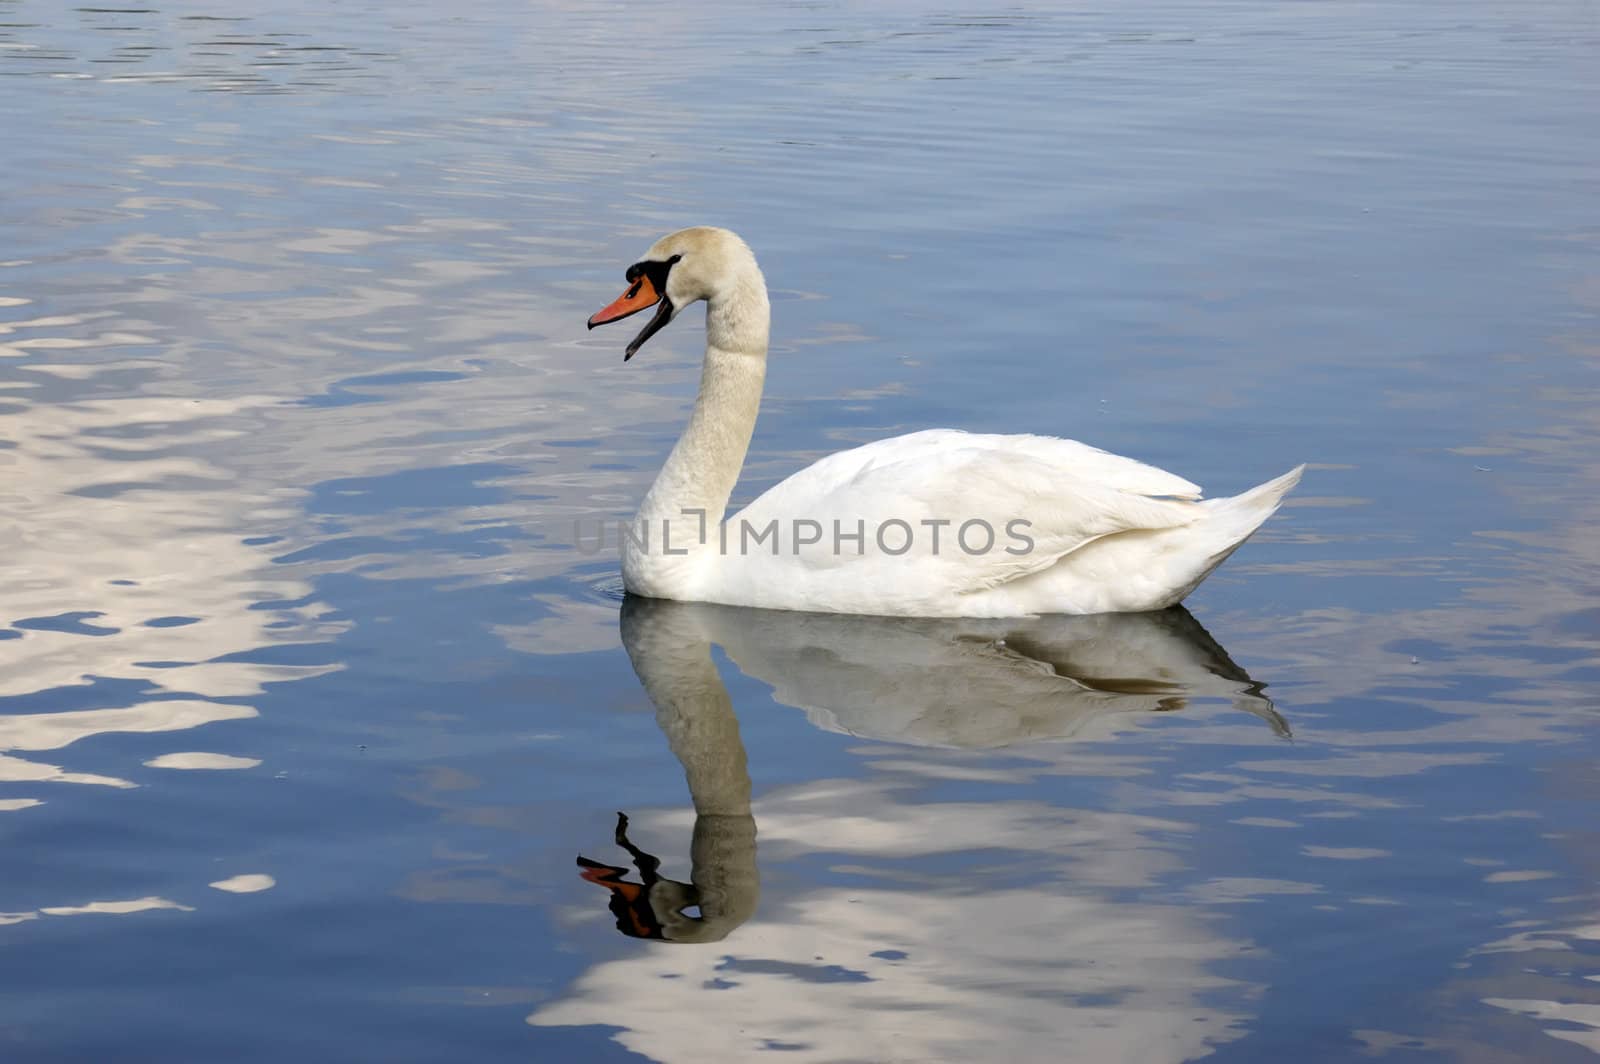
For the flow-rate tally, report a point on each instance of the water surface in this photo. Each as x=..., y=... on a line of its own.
x=309, y=701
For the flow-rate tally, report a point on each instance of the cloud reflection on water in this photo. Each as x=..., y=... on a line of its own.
x=127, y=564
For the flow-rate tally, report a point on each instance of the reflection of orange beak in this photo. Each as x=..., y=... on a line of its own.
x=611, y=878
x=641, y=296
x=630, y=902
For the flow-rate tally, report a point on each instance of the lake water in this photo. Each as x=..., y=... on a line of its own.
x=309, y=700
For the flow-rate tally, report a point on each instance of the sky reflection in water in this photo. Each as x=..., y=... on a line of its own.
x=308, y=701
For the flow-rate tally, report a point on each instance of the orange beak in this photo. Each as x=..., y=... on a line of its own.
x=640, y=296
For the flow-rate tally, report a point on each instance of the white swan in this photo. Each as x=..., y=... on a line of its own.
x=937, y=523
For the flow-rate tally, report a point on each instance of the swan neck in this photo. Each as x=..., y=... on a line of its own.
x=700, y=473
x=739, y=317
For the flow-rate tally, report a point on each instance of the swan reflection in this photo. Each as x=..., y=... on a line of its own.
x=967, y=683
x=975, y=683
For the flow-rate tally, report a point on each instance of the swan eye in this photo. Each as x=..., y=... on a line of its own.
x=654, y=271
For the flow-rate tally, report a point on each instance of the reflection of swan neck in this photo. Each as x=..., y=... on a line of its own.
x=723, y=870
x=695, y=713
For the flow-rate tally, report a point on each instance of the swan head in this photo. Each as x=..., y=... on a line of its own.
x=703, y=262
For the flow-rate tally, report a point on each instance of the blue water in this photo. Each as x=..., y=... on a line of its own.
x=309, y=696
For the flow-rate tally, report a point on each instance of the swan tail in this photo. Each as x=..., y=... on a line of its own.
x=1151, y=568
x=1228, y=523
x=1259, y=503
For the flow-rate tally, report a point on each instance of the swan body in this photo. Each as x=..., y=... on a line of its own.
x=939, y=523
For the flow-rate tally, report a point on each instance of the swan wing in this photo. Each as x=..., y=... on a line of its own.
x=1070, y=456
x=1041, y=499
